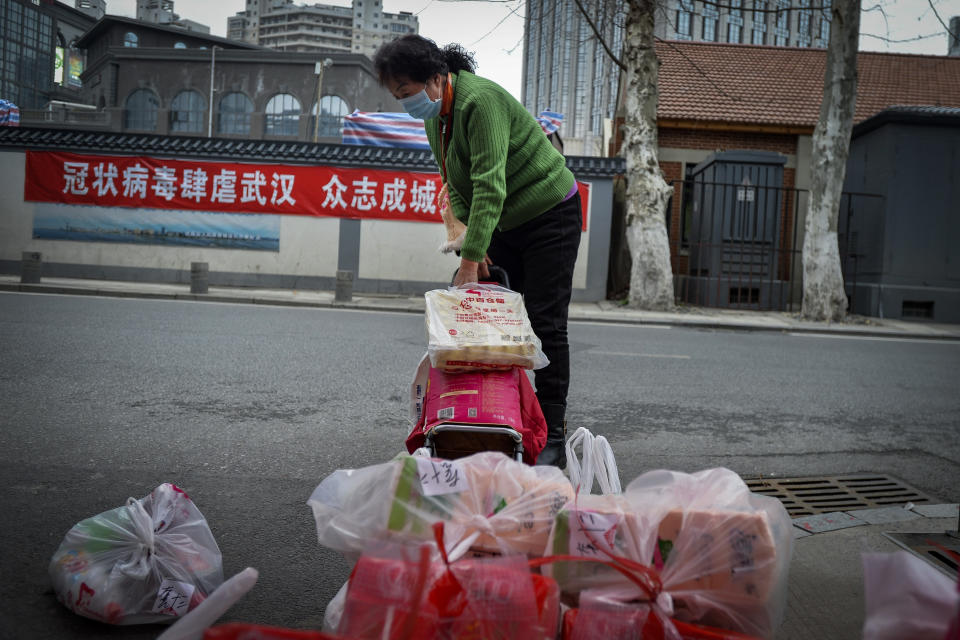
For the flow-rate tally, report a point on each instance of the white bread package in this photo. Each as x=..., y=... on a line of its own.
x=722, y=553
x=480, y=327
x=488, y=502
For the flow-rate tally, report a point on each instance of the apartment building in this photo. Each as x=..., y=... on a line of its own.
x=780, y=23
x=161, y=12
x=281, y=24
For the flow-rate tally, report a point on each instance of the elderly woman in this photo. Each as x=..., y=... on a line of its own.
x=511, y=188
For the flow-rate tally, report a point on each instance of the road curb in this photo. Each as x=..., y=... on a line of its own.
x=679, y=322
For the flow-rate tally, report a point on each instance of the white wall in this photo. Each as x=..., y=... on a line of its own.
x=309, y=246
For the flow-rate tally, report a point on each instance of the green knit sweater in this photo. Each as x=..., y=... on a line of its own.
x=501, y=169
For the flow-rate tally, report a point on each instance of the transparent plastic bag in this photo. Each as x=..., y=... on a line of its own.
x=906, y=597
x=722, y=553
x=151, y=560
x=487, y=501
x=479, y=327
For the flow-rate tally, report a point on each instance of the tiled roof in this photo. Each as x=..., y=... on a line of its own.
x=743, y=84
x=253, y=150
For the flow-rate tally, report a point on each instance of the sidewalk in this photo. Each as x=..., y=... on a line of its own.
x=825, y=590
x=604, y=311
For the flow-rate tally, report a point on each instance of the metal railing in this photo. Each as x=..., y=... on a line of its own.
x=737, y=246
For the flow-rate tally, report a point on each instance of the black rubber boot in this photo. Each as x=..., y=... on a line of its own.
x=555, y=451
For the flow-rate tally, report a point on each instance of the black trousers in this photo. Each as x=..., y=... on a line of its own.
x=539, y=256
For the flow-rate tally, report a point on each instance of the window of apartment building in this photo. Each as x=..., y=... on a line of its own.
x=283, y=115
x=234, y=115
x=711, y=17
x=332, y=111
x=735, y=22
x=186, y=112
x=130, y=39
x=140, y=110
x=804, y=24
x=781, y=28
x=759, y=32
x=27, y=44
x=823, y=28
x=685, y=20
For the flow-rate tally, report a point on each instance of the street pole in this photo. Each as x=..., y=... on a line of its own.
x=213, y=64
x=318, y=69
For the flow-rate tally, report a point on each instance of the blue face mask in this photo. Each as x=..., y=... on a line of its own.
x=421, y=106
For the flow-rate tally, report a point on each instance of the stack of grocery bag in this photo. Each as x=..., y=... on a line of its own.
x=449, y=543
x=488, y=547
x=471, y=391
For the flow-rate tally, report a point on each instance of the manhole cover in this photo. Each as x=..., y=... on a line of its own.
x=823, y=494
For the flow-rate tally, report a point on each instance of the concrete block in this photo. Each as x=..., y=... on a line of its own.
x=823, y=522
x=884, y=515
x=937, y=510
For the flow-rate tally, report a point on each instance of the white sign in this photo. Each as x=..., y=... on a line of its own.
x=591, y=533
x=173, y=598
x=439, y=477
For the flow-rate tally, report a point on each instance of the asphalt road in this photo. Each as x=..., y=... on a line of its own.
x=248, y=407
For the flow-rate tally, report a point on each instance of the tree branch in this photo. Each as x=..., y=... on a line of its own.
x=940, y=20
x=600, y=38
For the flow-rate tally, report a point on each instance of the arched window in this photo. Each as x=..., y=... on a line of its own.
x=234, y=117
x=140, y=110
x=186, y=112
x=130, y=39
x=332, y=110
x=283, y=115
x=179, y=45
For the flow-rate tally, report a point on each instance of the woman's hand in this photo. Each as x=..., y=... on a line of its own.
x=471, y=271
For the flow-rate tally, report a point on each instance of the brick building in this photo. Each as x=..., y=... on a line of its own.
x=718, y=97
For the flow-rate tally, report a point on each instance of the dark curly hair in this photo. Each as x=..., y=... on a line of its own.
x=419, y=58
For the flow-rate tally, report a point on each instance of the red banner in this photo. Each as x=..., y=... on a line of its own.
x=162, y=183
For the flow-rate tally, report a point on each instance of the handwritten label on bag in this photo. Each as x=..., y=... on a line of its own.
x=590, y=532
x=439, y=477
x=173, y=598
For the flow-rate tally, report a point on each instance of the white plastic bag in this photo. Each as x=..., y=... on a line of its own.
x=479, y=327
x=151, y=560
x=598, y=464
x=487, y=501
x=906, y=598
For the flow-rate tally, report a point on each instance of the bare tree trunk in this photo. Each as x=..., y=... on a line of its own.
x=651, y=279
x=824, y=297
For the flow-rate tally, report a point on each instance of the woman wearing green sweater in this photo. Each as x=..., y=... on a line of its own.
x=511, y=188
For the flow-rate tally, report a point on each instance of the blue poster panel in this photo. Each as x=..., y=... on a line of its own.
x=156, y=226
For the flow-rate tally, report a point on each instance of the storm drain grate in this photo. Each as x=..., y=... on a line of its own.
x=823, y=494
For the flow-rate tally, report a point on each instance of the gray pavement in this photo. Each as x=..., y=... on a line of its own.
x=825, y=590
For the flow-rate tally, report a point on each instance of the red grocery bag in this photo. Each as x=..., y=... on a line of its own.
x=409, y=593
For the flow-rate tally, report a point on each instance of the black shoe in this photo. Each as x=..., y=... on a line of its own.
x=555, y=451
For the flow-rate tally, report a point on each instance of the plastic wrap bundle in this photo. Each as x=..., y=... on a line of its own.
x=406, y=592
x=480, y=327
x=722, y=553
x=149, y=561
x=488, y=502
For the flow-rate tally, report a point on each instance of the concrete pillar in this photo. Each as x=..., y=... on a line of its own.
x=199, y=277
x=31, y=266
x=344, y=290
